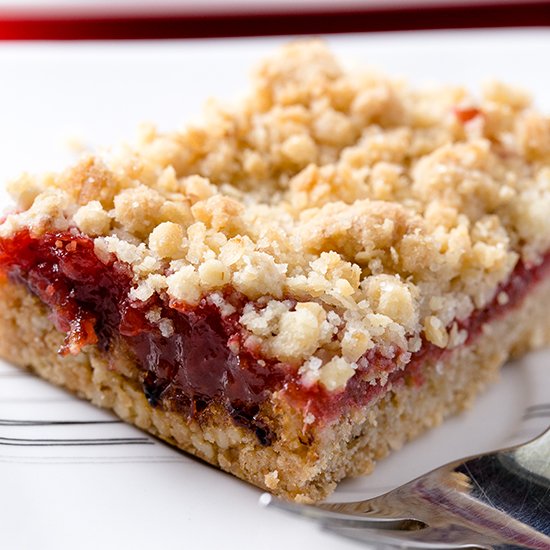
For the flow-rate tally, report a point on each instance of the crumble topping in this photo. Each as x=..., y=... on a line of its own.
x=352, y=209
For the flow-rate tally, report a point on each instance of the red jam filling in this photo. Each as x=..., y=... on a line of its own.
x=203, y=360
x=188, y=370
x=464, y=115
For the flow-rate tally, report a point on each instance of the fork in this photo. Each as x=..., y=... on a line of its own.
x=497, y=500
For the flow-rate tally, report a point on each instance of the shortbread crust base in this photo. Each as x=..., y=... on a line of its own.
x=302, y=464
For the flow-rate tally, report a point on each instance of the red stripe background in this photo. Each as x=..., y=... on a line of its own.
x=22, y=26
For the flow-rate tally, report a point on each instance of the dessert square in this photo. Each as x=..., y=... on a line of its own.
x=302, y=283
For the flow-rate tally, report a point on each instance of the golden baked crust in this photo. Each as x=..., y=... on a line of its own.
x=387, y=211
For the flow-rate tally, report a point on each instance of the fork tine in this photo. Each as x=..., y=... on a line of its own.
x=321, y=514
x=425, y=539
x=387, y=532
x=375, y=507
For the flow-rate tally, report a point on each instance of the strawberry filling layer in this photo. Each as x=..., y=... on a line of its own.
x=201, y=358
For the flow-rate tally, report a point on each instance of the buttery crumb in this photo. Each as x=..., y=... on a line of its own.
x=502, y=298
x=92, y=219
x=166, y=240
x=336, y=373
x=271, y=480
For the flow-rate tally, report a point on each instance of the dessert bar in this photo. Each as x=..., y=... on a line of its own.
x=301, y=283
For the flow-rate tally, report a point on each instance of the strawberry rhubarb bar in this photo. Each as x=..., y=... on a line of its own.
x=300, y=284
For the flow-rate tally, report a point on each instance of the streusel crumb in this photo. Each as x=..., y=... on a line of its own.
x=357, y=211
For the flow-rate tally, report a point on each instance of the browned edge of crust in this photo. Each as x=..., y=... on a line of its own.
x=301, y=464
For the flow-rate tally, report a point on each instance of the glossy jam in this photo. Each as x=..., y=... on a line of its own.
x=186, y=371
x=204, y=360
x=87, y=297
x=464, y=115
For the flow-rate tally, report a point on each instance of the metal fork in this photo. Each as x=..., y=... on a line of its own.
x=497, y=500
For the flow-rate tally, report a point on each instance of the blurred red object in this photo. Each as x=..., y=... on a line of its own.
x=118, y=20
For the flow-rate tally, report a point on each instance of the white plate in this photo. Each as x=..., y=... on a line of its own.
x=143, y=496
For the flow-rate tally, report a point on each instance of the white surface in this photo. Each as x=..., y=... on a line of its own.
x=149, y=496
